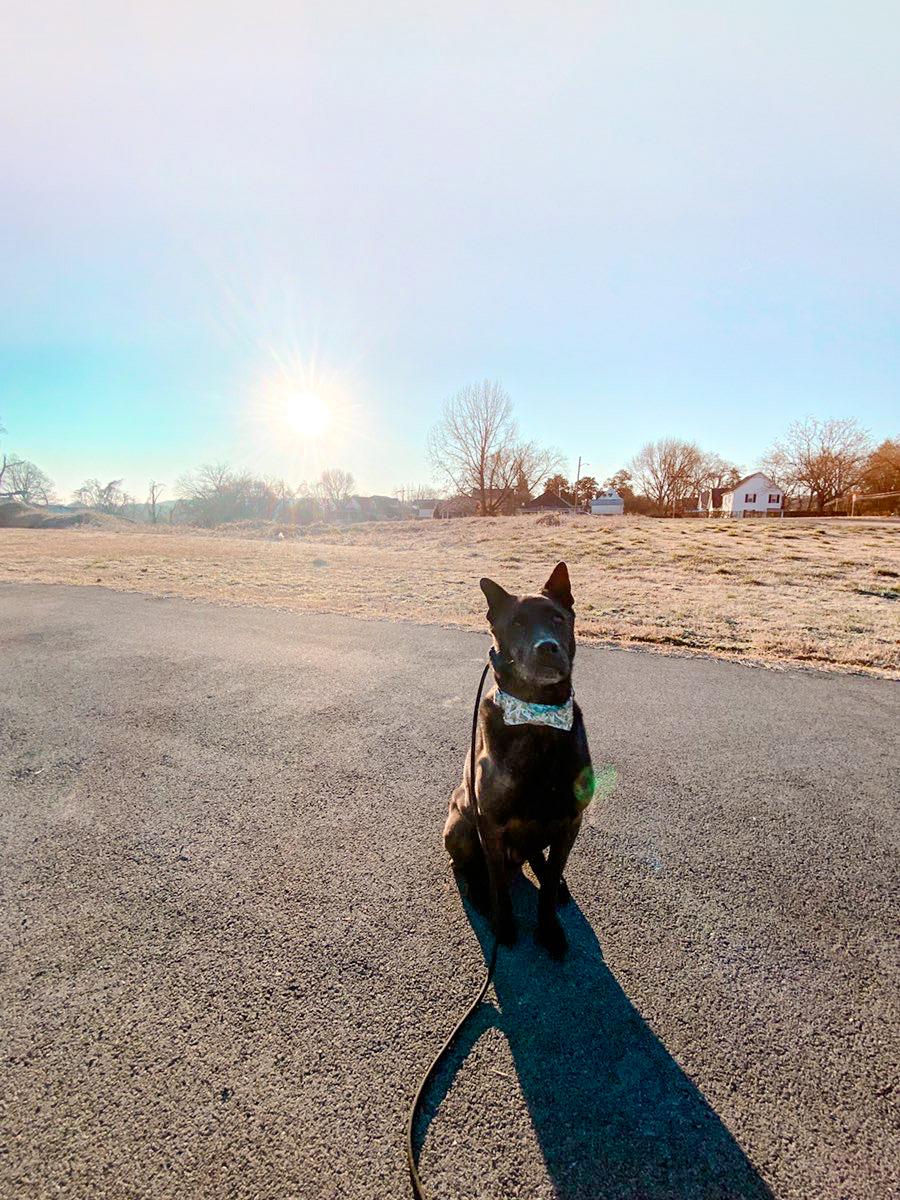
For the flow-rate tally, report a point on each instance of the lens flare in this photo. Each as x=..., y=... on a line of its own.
x=306, y=413
x=302, y=415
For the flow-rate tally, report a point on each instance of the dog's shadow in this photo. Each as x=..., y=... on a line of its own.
x=614, y=1114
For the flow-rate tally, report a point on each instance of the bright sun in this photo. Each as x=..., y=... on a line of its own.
x=307, y=414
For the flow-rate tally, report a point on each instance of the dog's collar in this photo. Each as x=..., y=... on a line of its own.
x=521, y=712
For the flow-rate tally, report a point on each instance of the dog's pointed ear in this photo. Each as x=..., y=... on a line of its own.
x=497, y=597
x=558, y=587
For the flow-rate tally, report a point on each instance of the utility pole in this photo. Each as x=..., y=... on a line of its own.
x=577, y=481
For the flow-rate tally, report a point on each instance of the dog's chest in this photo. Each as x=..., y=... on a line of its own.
x=540, y=773
x=522, y=838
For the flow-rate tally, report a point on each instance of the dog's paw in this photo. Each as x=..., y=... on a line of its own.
x=563, y=895
x=505, y=932
x=552, y=937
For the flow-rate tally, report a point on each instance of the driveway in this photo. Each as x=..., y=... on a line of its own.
x=231, y=941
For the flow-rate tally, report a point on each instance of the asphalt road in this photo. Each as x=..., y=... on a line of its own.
x=231, y=941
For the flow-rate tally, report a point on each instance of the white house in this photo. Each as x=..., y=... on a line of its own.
x=608, y=504
x=425, y=508
x=755, y=495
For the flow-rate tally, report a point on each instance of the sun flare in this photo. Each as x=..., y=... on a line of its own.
x=307, y=413
x=303, y=413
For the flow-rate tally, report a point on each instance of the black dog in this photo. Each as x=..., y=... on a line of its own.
x=533, y=773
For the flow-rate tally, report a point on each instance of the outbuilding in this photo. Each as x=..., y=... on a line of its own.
x=608, y=504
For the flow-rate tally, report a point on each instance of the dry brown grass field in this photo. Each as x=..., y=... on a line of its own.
x=779, y=592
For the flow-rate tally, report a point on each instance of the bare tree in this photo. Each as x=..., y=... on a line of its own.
x=284, y=494
x=6, y=462
x=716, y=472
x=207, y=496
x=534, y=466
x=27, y=482
x=666, y=471
x=155, y=491
x=336, y=486
x=410, y=493
x=622, y=481
x=476, y=447
x=210, y=477
x=108, y=498
x=823, y=459
x=473, y=444
x=215, y=494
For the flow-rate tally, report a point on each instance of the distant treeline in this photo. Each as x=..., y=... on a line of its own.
x=819, y=464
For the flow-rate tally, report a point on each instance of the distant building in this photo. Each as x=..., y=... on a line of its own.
x=548, y=502
x=608, y=504
x=711, y=500
x=455, y=506
x=374, y=508
x=500, y=501
x=425, y=508
x=753, y=496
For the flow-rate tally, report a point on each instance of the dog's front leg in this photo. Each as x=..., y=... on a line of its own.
x=501, y=905
x=550, y=932
x=538, y=864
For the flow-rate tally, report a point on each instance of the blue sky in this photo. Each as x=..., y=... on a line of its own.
x=645, y=218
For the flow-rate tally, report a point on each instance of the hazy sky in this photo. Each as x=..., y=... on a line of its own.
x=645, y=218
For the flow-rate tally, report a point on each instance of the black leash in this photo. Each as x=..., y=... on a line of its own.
x=418, y=1189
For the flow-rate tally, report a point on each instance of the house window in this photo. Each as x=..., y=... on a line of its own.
x=750, y=498
x=774, y=498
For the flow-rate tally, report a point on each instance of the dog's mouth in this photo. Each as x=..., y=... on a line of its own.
x=532, y=667
x=543, y=669
x=544, y=673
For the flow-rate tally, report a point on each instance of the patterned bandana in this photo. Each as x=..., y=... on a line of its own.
x=520, y=712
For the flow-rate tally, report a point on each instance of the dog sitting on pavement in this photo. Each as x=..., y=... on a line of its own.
x=533, y=775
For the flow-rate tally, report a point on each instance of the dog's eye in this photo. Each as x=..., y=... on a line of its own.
x=558, y=618
x=518, y=622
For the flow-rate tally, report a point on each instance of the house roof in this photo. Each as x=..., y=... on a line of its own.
x=546, y=500
x=712, y=496
x=746, y=479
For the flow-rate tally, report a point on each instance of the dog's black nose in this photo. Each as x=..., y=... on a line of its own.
x=548, y=648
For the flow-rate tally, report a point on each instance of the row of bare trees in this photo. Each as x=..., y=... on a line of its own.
x=216, y=494
x=477, y=448
x=816, y=463
x=667, y=472
x=825, y=460
x=108, y=497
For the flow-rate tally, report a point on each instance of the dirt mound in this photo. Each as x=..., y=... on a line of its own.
x=15, y=515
